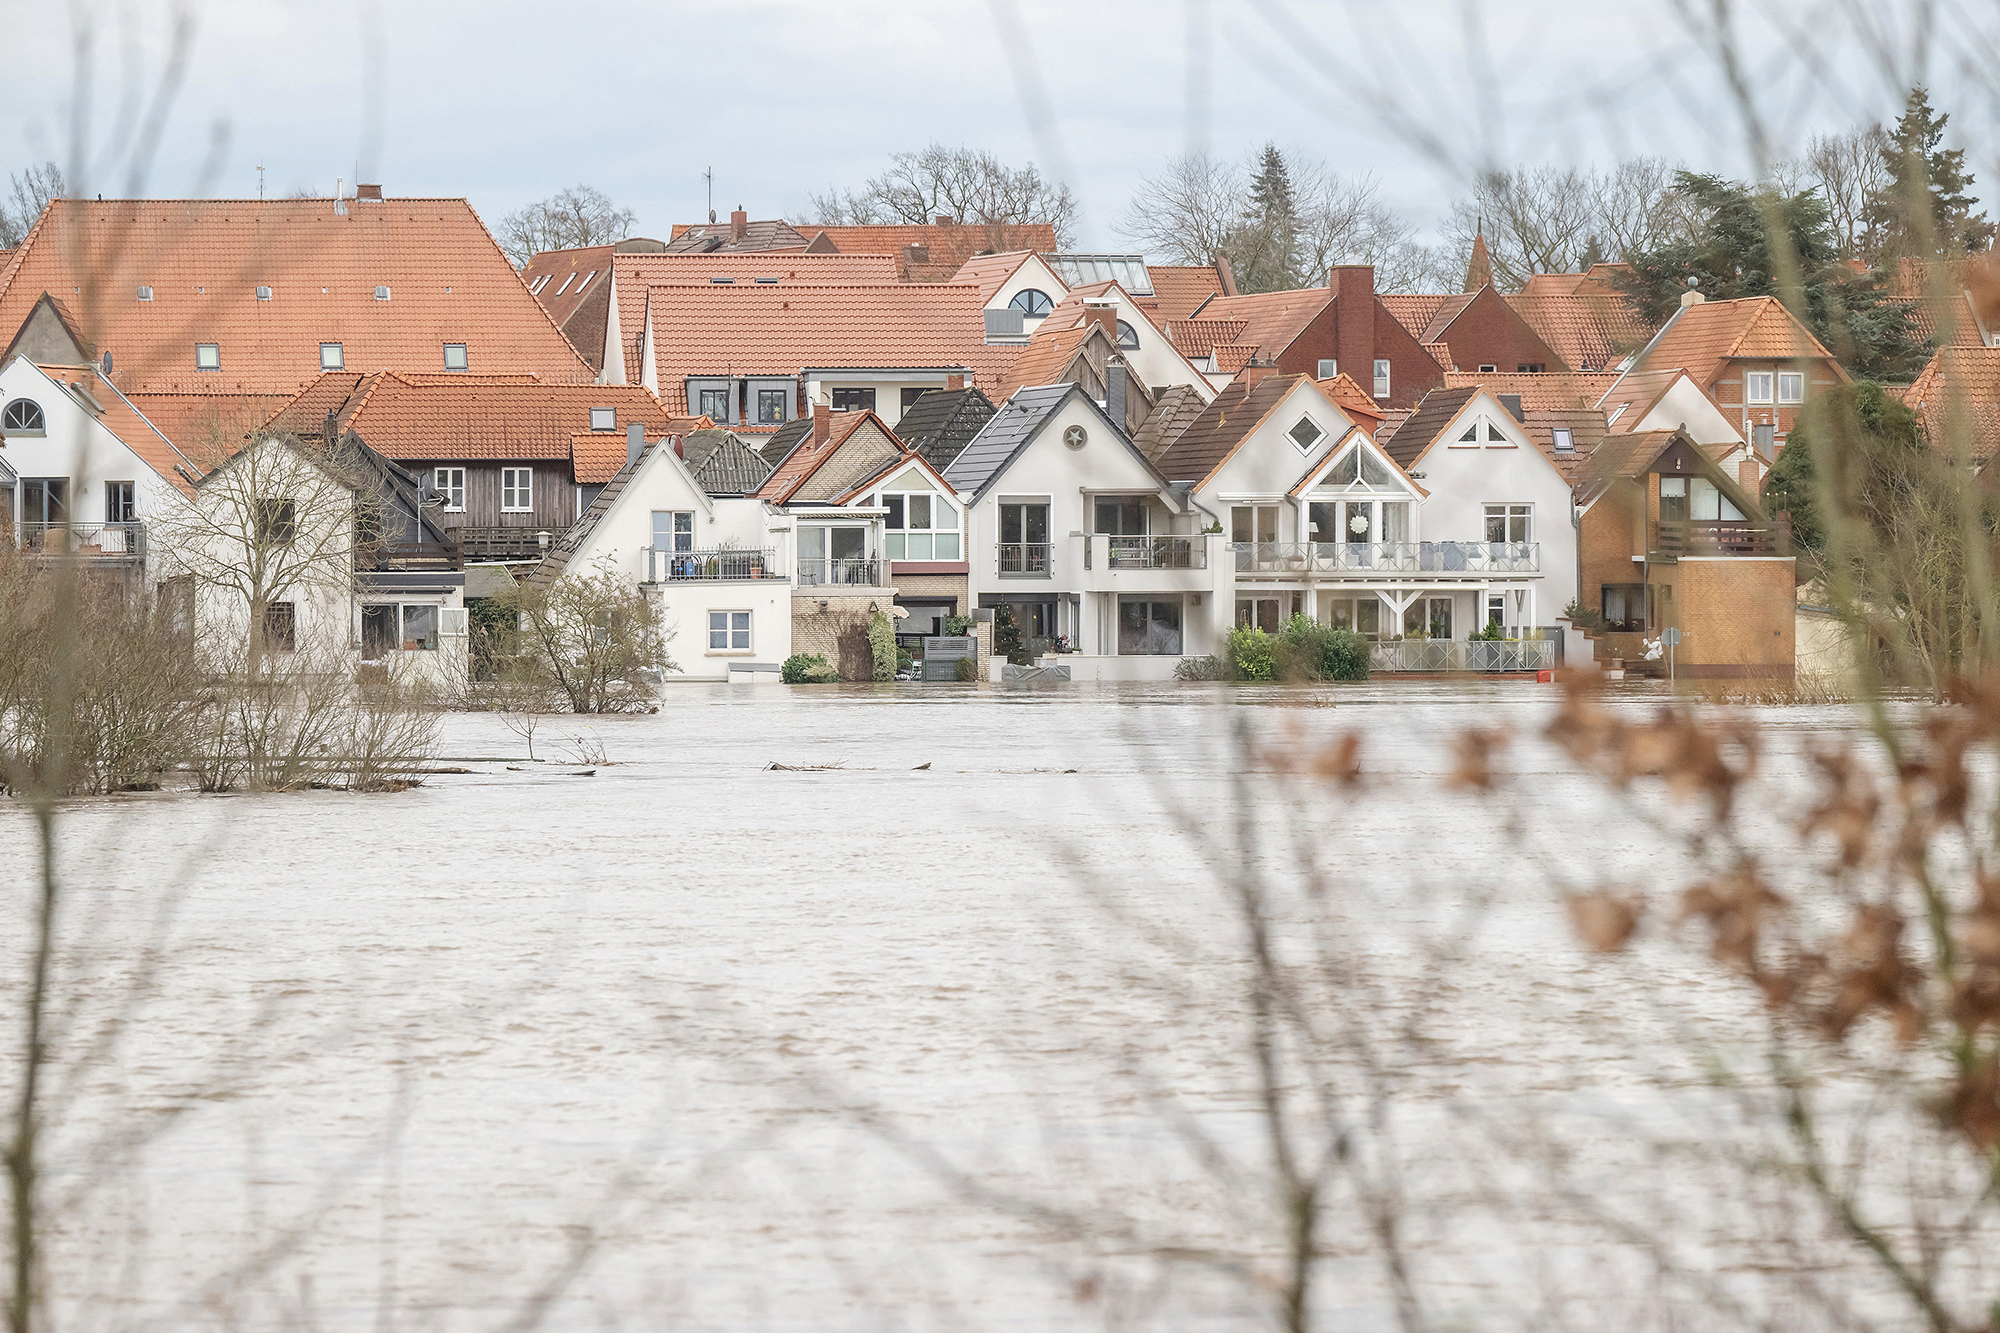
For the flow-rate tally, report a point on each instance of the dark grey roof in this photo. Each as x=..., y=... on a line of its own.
x=553, y=565
x=722, y=463
x=783, y=440
x=942, y=422
x=1018, y=421
x=1433, y=414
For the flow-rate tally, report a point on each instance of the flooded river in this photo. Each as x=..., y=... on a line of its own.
x=943, y=1027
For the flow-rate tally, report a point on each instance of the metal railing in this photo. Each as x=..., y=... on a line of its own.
x=718, y=565
x=85, y=539
x=1387, y=557
x=1156, y=552
x=862, y=573
x=1463, y=655
x=1025, y=558
x=509, y=543
x=1722, y=537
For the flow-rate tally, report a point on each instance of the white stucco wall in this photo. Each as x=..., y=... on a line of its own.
x=1032, y=273
x=76, y=446
x=1269, y=464
x=1685, y=404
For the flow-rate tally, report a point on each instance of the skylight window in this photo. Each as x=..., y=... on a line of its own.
x=1565, y=442
x=1306, y=433
x=454, y=356
x=722, y=280
x=263, y=293
x=604, y=418
x=767, y=280
x=1616, y=413
x=145, y=293
x=330, y=357
x=566, y=282
x=207, y=356
x=585, y=283
x=381, y=293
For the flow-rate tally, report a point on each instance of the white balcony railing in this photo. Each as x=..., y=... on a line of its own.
x=1463, y=655
x=720, y=565
x=1361, y=559
x=83, y=538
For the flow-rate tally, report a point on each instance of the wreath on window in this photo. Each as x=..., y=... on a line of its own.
x=1358, y=525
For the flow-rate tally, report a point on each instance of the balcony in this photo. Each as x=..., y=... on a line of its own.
x=503, y=544
x=1487, y=655
x=856, y=573
x=1154, y=552
x=126, y=540
x=1373, y=559
x=721, y=565
x=1024, y=559
x=1674, y=538
x=391, y=557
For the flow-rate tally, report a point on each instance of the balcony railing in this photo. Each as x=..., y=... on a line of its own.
x=1156, y=552
x=1027, y=558
x=716, y=566
x=1678, y=537
x=1463, y=655
x=391, y=556
x=503, y=544
x=1365, y=558
x=863, y=573
x=84, y=539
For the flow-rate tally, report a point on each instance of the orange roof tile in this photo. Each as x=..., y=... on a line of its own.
x=1549, y=392
x=1272, y=319
x=203, y=260
x=1414, y=313
x=124, y=420
x=989, y=273
x=1196, y=337
x=1594, y=331
x=1231, y=357
x=1180, y=289
x=1957, y=396
x=204, y=425
x=947, y=246
x=1352, y=399
x=1044, y=359
x=1706, y=336
x=560, y=279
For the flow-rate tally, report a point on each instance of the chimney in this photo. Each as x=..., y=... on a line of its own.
x=1748, y=475
x=822, y=423
x=916, y=254
x=1512, y=402
x=954, y=381
x=1114, y=390
x=1354, y=322
x=739, y=224
x=943, y=219
x=331, y=429
x=1104, y=317
x=1254, y=370
x=635, y=441
x=368, y=192
x=1225, y=275
x=1692, y=297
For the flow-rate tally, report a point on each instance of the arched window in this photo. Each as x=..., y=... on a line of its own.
x=23, y=417
x=1128, y=337
x=1032, y=303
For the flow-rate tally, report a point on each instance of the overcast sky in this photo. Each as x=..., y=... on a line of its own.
x=505, y=102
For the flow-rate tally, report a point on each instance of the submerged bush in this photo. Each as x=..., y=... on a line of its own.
x=1201, y=668
x=882, y=646
x=1303, y=650
x=1252, y=654
x=808, y=669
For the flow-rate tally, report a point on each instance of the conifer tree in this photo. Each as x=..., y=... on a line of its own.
x=1923, y=172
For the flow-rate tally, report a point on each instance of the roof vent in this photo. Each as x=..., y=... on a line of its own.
x=145, y=293
x=263, y=293
x=381, y=293
x=722, y=280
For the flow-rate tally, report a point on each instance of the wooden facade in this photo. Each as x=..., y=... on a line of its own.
x=554, y=492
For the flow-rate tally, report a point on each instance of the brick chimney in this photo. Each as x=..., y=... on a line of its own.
x=368, y=192
x=916, y=254
x=1354, y=321
x=739, y=225
x=943, y=220
x=1254, y=370
x=1104, y=317
x=822, y=423
x=954, y=381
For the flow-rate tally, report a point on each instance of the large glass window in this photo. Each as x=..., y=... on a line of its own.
x=853, y=400
x=714, y=405
x=1428, y=618
x=120, y=505
x=1510, y=523
x=1625, y=607
x=673, y=530
x=922, y=526
x=44, y=500
x=420, y=628
x=330, y=356
x=771, y=407
x=1253, y=523
x=1024, y=539
x=1121, y=516
x=1148, y=628
x=1031, y=303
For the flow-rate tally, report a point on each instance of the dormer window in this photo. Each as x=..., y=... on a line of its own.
x=263, y=293
x=604, y=418
x=145, y=293
x=1031, y=303
x=1128, y=337
x=330, y=357
x=454, y=356
x=207, y=356
x=1306, y=433
x=381, y=293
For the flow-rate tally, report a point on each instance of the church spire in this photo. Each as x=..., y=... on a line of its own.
x=1479, y=270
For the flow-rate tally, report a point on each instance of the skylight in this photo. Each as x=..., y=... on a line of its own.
x=566, y=282
x=1565, y=442
x=263, y=293
x=722, y=280
x=454, y=356
x=604, y=418
x=330, y=357
x=585, y=283
x=381, y=293
x=207, y=356
x=145, y=293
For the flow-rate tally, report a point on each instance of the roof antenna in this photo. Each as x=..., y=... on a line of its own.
x=260, y=178
x=709, y=176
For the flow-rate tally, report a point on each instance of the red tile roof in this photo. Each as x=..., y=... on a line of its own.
x=1272, y=319
x=1414, y=313
x=323, y=260
x=1709, y=335
x=124, y=420
x=1195, y=338
x=989, y=273
x=1584, y=330
x=806, y=460
x=566, y=277
x=1044, y=359
x=1232, y=357
x=1352, y=399
x=1180, y=289
x=1539, y=393
x=206, y=425
x=946, y=247
x=1957, y=396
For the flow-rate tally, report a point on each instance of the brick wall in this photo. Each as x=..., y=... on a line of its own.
x=1606, y=544
x=1412, y=371
x=937, y=586
x=1488, y=333
x=840, y=632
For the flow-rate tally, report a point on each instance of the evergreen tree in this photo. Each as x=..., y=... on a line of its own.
x=1265, y=249
x=1593, y=254
x=1731, y=256
x=1920, y=168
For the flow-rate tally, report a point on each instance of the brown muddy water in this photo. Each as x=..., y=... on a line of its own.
x=696, y=1043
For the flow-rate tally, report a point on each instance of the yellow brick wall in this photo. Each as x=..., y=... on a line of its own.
x=840, y=632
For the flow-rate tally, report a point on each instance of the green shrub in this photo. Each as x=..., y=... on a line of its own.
x=967, y=669
x=1201, y=668
x=882, y=646
x=903, y=659
x=958, y=625
x=1583, y=617
x=807, y=669
x=1252, y=654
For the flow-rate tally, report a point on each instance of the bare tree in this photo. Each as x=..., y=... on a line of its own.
x=567, y=220
x=967, y=185
x=1558, y=219
x=30, y=191
x=1188, y=212
x=1848, y=170
x=595, y=638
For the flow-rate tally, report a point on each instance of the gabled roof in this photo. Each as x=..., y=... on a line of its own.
x=778, y=446
x=1047, y=355
x=946, y=246
x=1020, y=419
x=56, y=311
x=1538, y=393
x=1179, y=289
x=943, y=421
x=789, y=479
x=860, y=486
x=1414, y=313
x=1228, y=420
x=1352, y=399
x=1627, y=457
x=990, y=273
x=1177, y=409
x=1437, y=410
x=1957, y=397
x=1359, y=437
x=1584, y=330
x=1195, y=338
x=1705, y=337
x=556, y=562
x=722, y=464
x=1448, y=309
x=1586, y=432
x=322, y=261
x=1628, y=398
x=1271, y=319
x=117, y=414
x=705, y=237
x=562, y=279
x=200, y=424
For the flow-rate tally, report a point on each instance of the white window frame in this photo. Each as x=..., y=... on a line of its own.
x=604, y=418
x=1791, y=386
x=1751, y=393
x=1327, y=369
x=1381, y=378
x=1507, y=512
x=339, y=361
x=449, y=482
x=214, y=351
x=894, y=539
x=517, y=482
x=464, y=360
x=1495, y=438
x=734, y=628
x=1564, y=439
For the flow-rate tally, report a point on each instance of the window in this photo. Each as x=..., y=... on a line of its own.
x=145, y=293
x=1149, y=628
x=330, y=357
x=604, y=418
x=729, y=631
x=381, y=293
x=535, y=287
x=922, y=525
x=1265, y=613
x=1565, y=441
x=448, y=483
x=44, y=500
x=673, y=530
x=1616, y=413
x=281, y=627
x=277, y=522
x=207, y=356
x=566, y=282
x=853, y=400
x=1306, y=433
x=120, y=505
x=517, y=490
x=1327, y=370
x=771, y=406
x=1625, y=607
x=1510, y=523
x=420, y=628
x=715, y=405
x=1128, y=337
x=1381, y=379
x=1494, y=435
x=1253, y=523
x=1031, y=303
x=1024, y=539
x=1757, y=386
x=381, y=630
x=23, y=417
x=1673, y=499
x=1428, y=619
x=1120, y=516
x=910, y=397
x=263, y=293
x=454, y=356
x=1532, y=368
x=1496, y=609
x=1488, y=370
x=1791, y=386
x=1471, y=436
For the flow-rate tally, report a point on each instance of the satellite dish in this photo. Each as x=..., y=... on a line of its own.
x=1076, y=437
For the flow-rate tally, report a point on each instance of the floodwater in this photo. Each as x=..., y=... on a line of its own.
x=946, y=1027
